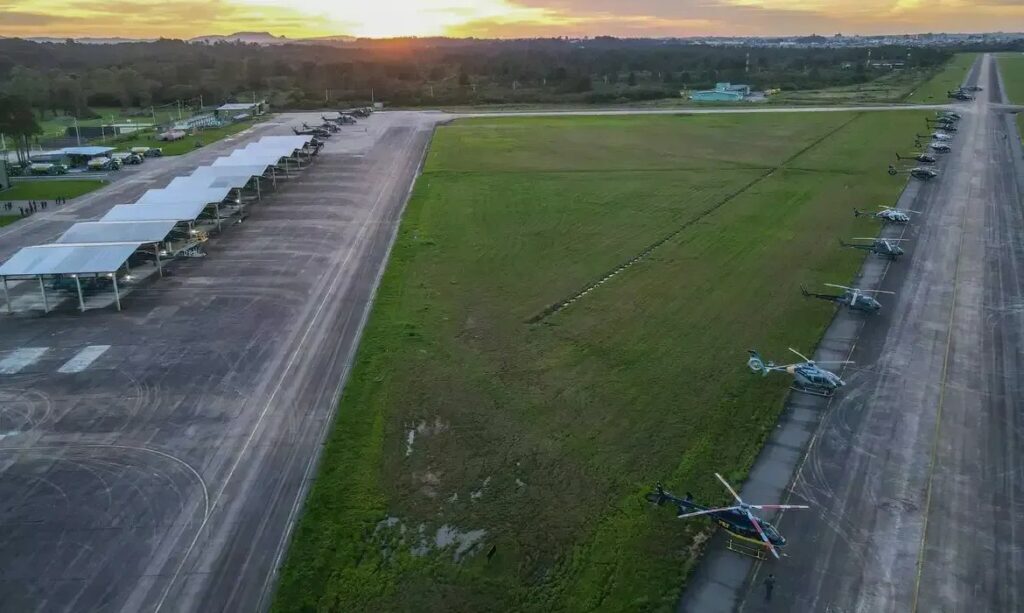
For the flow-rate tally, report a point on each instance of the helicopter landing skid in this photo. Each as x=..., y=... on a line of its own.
x=814, y=391
x=751, y=551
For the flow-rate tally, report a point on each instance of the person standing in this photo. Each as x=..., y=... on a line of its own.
x=769, y=585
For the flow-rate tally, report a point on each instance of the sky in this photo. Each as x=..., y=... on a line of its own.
x=502, y=18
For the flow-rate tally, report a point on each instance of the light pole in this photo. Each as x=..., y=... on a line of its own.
x=78, y=133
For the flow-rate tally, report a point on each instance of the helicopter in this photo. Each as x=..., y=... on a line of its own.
x=341, y=120
x=852, y=297
x=918, y=172
x=738, y=520
x=307, y=131
x=940, y=147
x=945, y=126
x=888, y=214
x=808, y=377
x=882, y=247
x=936, y=136
x=330, y=127
x=948, y=115
x=924, y=158
x=959, y=94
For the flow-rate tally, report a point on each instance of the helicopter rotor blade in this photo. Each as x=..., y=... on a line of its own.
x=729, y=487
x=840, y=286
x=778, y=506
x=706, y=512
x=763, y=536
x=835, y=362
x=802, y=356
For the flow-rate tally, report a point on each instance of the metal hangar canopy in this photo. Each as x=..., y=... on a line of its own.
x=68, y=259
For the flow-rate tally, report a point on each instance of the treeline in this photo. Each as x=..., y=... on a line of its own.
x=70, y=77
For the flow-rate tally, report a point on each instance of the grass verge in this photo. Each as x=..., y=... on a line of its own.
x=479, y=462
x=1011, y=67
x=934, y=91
x=49, y=190
x=179, y=147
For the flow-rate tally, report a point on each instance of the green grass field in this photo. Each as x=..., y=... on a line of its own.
x=889, y=88
x=463, y=427
x=934, y=91
x=57, y=126
x=7, y=219
x=48, y=190
x=1011, y=66
x=184, y=145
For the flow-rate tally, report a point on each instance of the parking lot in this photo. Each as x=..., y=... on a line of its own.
x=154, y=459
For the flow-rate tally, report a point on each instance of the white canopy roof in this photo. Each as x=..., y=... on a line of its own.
x=188, y=192
x=249, y=158
x=187, y=211
x=254, y=170
x=118, y=231
x=68, y=259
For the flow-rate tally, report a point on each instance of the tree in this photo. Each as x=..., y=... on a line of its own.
x=631, y=81
x=18, y=120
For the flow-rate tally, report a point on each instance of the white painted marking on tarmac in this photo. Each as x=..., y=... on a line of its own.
x=83, y=359
x=20, y=358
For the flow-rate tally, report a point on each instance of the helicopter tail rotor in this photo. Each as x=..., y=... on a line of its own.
x=757, y=364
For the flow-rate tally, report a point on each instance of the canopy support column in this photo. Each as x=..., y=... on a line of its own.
x=81, y=299
x=7, y=298
x=216, y=211
x=258, y=195
x=117, y=294
x=42, y=290
x=159, y=266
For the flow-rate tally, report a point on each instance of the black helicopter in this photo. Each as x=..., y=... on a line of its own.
x=853, y=298
x=738, y=520
x=317, y=132
x=923, y=158
x=882, y=247
x=960, y=94
x=948, y=115
x=342, y=119
x=330, y=127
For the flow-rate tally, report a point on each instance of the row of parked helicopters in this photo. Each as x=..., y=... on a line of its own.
x=809, y=376
x=332, y=125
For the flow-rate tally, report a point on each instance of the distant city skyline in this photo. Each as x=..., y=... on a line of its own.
x=504, y=18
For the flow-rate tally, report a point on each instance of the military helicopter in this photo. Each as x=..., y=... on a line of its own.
x=948, y=115
x=945, y=126
x=959, y=94
x=940, y=147
x=924, y=158
x=330, y=127
x=341, y=120
x=936, y=136
x=853, y=298
x=307, y=131
x=918, y=172
x=738, y=520
x=808, y=377
x=888, y=214
x=882, y=247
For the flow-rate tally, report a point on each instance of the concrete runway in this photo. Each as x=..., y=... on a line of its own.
x=914, y=470
x=155, y=459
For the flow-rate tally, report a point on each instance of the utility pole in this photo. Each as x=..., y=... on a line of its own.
x=178, y=102
x=372, y=99
x=78, y=134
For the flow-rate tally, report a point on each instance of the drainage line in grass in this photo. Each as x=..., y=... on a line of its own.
x=558, y=306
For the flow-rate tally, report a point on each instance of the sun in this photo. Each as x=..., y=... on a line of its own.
x=384, y=18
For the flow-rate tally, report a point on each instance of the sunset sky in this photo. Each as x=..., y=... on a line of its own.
x=502, y=18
